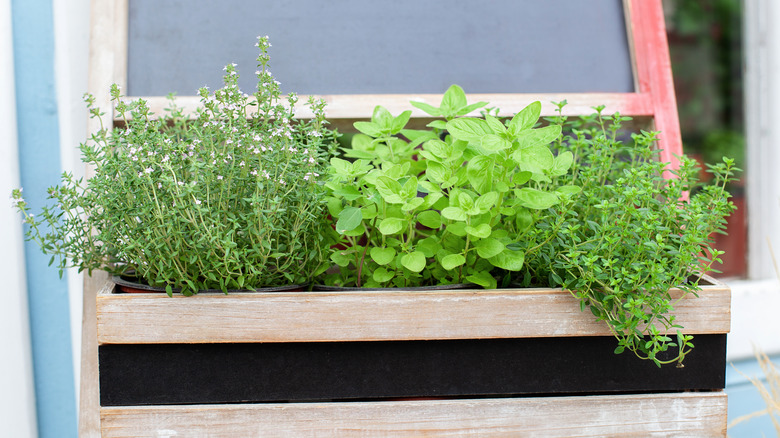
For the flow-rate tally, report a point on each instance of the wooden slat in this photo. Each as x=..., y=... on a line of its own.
x=362, y=106
x=89, y=392
x=373, y=315
x=668, y=415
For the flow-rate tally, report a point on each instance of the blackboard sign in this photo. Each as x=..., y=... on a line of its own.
x=382, y=47
x=357, y=54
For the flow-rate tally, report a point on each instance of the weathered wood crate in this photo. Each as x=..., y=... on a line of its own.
x=509, y=362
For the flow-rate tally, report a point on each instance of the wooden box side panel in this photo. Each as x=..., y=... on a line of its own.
x=373, y=316
x=668, y=415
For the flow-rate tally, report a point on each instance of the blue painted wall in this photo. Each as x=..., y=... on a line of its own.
x=39, y=162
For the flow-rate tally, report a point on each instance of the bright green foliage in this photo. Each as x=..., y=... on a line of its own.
x=230, y=200
x=635, y=232
x=444, y=205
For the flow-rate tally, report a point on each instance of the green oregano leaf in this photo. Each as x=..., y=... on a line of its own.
x=526, y=118
x=509, y=260
x=468, y=129
x=452, y=261
x=536, y=199
x=481, y=231
x=454, y=213
x=391, y=225
x=414, y=261
x=349, y=219
x=430, y=219
x=487, y=248
x=382, y=256
x=382, y=275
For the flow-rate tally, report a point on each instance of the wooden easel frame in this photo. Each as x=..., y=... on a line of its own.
x=654, y=98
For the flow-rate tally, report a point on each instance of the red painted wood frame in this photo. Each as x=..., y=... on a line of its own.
x=654, y=75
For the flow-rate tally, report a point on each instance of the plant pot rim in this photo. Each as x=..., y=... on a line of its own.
x=324, y=288
x=125, y=284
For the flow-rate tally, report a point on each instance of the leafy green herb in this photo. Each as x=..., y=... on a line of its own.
x=444, y=205
x=637, y=230
x=230, y=200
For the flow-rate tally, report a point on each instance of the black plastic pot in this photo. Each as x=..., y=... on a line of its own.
x=128, y=284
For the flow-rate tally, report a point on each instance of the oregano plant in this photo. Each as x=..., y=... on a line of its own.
x=444, y=205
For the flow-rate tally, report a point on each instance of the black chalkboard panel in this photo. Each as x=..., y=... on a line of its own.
x=382, y=47
x=159, y=374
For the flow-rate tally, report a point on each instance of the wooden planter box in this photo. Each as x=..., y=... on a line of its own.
x=503, y=362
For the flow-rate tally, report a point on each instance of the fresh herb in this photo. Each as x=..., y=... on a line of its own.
x=444, y=205
x=229, y=200
x=637, y=230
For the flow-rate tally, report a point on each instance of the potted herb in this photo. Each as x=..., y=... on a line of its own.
x=445, y=205
x=229, y=200
x=638, y=230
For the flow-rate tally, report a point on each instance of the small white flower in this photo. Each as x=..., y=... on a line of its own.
x=181, y=183
x=266, y=175
x=242, y=164
x=315, y=134
x=159, y=185
x=197, y=201
x=254, y=172
x=219, y=177
x=281, y=181
x=148, y=170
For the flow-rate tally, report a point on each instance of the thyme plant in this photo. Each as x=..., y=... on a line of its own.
x=637, y=230
x=229, y=200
